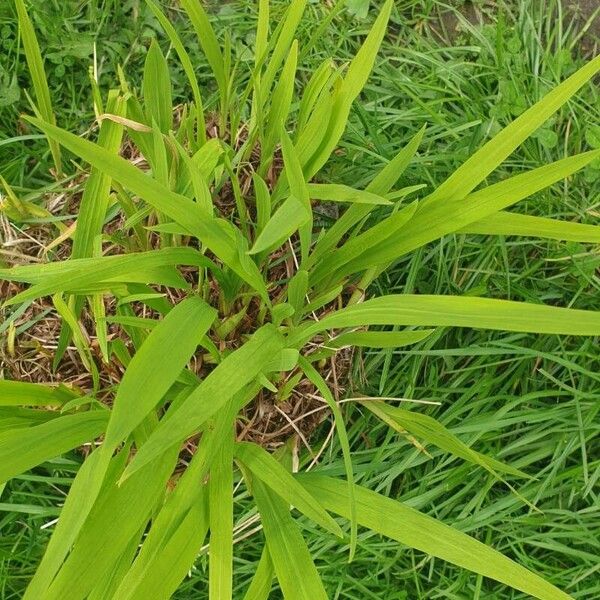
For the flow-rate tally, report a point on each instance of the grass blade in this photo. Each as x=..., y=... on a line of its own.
x=90, y=218
x=24, y=448
x=182, y=210
x=288, y=217
x=156, y=365
x=383, y=182
x=187, y=65
x=298, y=190
x=220, y=502
x=507, y=223
x=21, y=393
x=356, y=77
x=344, y=193
x=281, y=102
x=379, y=339
x=262, y=581
x=471, y=173
x=156, y=86
x=353, y=255
x=266, y=468
x=72, y=517
x=317, y=379
x=296, y=292
x=430, y=430
x=165, y=558
x=210, y=46
x=296, y=572
x=312, y=90
x=85, y=272
x=410, y=527
x=462, y=311
x=121, y=513
x=35, y=63
x=163, y=575
x=287, y=30
x=436, y=218
x=94, y=200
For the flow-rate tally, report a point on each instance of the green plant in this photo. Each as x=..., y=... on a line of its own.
x=269, y=299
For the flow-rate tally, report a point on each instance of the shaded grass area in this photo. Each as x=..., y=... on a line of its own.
x=532, y=401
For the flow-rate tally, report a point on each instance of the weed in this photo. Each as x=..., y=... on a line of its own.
x=254, y=332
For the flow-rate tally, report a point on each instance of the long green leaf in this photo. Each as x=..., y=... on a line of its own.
x=436, y=218
x=69, y=320
x=120, y=514
x=408, y=526
x=90, y=219
x=21, y=393
x=378, y=339
x=298, y=189
x=470, y=174
x=81, y=497
x=95, y=197
x=461, y=311
x=162, y=577
x=296, y=572
x=356, y=77
x=317, y=85
x=220, y=503
x=262, y=32
x=351, y=256
x=187, y=65
x=280, y=105
x=317, y=379
x=209, y=44
x=283, y=43
x=83, y=272
x=108, y=584
x=16, y=417
x=164, y=558
x=275, y=476
x=24, y=448
x=382, y=183
x=116, y=265
x=290, y=216
x=35, y=63
x=156, y=85
x=343, y=193
x=156, y=366
x=262, y=581
x=507, y=223
x=432, y=431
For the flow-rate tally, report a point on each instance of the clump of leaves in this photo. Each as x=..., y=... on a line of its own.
x=268, y=296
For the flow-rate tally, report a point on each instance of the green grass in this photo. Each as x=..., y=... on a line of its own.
x=531, y=401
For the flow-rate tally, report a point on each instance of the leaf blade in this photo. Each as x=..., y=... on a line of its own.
x=508, y=224
x=473, y=171
x=24, y=448
x=296, y=572
x=35, y=63
x=274, y=475
x=462, y=311
x=156, y=365
x=410, y=527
